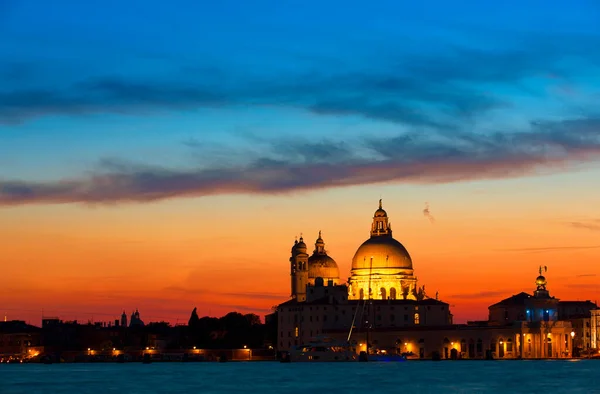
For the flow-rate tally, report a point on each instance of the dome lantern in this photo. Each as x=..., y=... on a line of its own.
x=380, y=226
x=319, y=245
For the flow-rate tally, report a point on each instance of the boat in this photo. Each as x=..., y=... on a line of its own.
x=322, y=349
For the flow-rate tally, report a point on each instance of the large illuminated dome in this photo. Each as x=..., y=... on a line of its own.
x=382, y=264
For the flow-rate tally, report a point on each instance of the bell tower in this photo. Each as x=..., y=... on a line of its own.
x=299, y=270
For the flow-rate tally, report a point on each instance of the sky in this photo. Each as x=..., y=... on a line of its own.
x=165, y=155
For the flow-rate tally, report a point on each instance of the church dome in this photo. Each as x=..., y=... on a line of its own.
x=322, y=266
x=300, y=246
x=387, y=253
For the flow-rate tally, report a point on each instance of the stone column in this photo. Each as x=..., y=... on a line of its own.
x=521, y=344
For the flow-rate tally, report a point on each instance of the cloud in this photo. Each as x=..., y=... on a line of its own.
x=428, y=214
x=593, y=225
x=481, y=295
x=439, y=90
x=407, y=158
x=550, y=248
x=107, y=95
x=585, y=275
x=583, y=286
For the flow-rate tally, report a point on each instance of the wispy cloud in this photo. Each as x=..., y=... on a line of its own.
x=585, y=275
x=427, y=213
x=550, y=248
x=408, y=158
x=593, y=225
x=239, y=295
x=583, y=286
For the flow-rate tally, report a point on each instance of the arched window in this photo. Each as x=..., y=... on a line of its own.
x=417, y=318
x=392, y=293
x=383, y=293
x=362, y=294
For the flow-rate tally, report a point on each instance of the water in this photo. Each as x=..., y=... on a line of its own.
x=271, y=377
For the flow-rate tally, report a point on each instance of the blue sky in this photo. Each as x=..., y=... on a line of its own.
x=141, y=100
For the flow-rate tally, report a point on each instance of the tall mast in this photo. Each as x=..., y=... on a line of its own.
x=370, y=306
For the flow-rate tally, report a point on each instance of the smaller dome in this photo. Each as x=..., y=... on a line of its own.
x=322, y=266
x=301, y=246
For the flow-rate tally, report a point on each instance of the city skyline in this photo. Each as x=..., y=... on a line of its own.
x=166, y=160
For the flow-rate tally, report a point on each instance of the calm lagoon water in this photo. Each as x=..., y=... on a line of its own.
x=271, y=377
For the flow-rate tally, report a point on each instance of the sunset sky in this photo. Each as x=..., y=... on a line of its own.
x=164, y=155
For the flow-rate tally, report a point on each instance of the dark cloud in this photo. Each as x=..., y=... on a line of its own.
x=16, y=71
x=409, y=158
x=103, y=96
x=440, y=91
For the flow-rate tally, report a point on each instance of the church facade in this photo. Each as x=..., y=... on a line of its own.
x=381, y=308
x=381, y=292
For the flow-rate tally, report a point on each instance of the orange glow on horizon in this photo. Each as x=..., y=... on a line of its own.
x=231, y=254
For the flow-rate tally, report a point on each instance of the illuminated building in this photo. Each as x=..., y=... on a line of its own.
x=595, y=329
x=382, y=268
x=388, y=311
x=321, y=304
x=305, y=270
x=543, y=335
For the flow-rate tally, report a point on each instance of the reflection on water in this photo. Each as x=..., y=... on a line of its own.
x=271, y=377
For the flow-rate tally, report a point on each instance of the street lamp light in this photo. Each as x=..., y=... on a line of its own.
x=572, y=334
